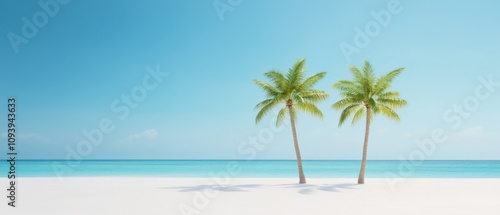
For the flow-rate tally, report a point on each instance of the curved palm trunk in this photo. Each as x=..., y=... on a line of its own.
x=302, y=178
x=361, y=177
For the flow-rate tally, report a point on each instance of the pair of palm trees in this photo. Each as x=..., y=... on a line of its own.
x=365, y=95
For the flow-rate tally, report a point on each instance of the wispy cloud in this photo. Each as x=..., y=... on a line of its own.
x=471, y=132
x=383, y=132
x=147, y=134
x=28, y=136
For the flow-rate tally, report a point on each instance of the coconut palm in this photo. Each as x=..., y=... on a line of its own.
x=367, y=95
x=291, y=92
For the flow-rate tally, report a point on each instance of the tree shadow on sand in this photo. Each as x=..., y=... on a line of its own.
x=301, y=188
x=222, y=188
x=312, y=188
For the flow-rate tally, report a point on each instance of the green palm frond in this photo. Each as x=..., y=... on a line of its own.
x=296, y=73
x=281, y=116
x=348, y=111
x=278, y=80
x=263, y=103
x=346, y=102
x=313, y=95
x=265, y=109
x=358, y=75
x=368, y=73
x=393, y=102
x=311, y=81
x=384, y=82
x=309, y=108
x=359, y=113
x=269, y=89
x=388, y=112
x=348, y=86
x=357, y=97
x=389, y=95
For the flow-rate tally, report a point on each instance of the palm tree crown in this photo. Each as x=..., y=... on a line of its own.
x=291, y=89
x=368, y=93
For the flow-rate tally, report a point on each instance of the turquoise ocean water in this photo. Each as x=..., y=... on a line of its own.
x=257, y=168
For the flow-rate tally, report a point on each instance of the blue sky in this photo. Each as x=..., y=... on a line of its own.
x=88, y=54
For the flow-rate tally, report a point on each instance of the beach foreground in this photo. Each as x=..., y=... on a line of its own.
x=122, y=195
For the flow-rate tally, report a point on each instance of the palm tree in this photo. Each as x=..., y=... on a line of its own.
x=367, y=95
x=294, y=93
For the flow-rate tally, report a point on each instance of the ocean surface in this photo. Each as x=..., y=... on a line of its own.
x=256, y=168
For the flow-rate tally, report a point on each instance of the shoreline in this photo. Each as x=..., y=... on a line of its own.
x=261, y=169
x=166, y=195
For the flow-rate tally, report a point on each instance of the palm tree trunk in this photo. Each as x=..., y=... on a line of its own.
x=302, y=178
x=361, y=177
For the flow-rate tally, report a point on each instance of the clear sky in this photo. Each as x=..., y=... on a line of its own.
x=73, y=67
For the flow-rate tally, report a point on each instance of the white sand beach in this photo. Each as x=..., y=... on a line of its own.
x=122, y=195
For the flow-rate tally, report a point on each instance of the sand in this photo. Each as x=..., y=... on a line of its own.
x=237, y=196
